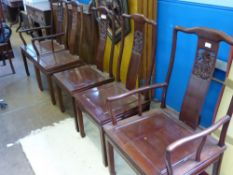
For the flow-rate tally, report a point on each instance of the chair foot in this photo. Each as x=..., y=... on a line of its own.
x=75, y=115
x=103, y=147
x=51, y=89
x=25, y=63
x=38, y=78
x=110, y=156
x=80, y=124
x=60, y=99
x=12, y=66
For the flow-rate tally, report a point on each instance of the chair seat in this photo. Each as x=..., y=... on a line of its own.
x=81, y=78
x=145, y=138
x=93, y=101
x=52, y=61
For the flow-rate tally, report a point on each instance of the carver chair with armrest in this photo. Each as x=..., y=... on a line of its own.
x=157, y=142
x=56, y=57
x=57, y=23
x=93, y=101
x=88, y=76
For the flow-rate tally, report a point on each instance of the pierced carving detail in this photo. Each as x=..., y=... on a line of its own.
x=138, y=42
x=103, y=29
x=204, y=64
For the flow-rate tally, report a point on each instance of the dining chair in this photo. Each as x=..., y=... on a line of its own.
x=93, y=101
x=88, y=76
x=51, y=56
x=161, y=141
x=57, y=9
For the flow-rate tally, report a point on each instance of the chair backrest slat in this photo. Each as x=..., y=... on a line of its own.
x=104, y=18
x=75, y=29
x=134, y=68
x=202, y=71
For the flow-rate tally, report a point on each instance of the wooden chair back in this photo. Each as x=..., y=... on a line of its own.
x=202, y=71
x=75, y=26
x=59, y=22
x=140, y=23
x=104, y=17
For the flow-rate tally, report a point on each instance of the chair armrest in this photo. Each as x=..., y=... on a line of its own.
x=136, y=91
x=21, y=31
x=130, y=93
x=43, y=38
x=33, y=29
x=201, y=135
x=53, y=36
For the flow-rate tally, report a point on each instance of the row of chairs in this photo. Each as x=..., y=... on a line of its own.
x=143, y=137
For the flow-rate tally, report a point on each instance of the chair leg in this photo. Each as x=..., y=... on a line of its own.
x=80, y=124
x=20, y=19
x=110, y=156
x=217, y=166
x=60, y=99
x=75, y=114
x=38, y=78
x=103, y=147
x=12, y=66
x=51, y=89
x=25, y=64
x=3, y=60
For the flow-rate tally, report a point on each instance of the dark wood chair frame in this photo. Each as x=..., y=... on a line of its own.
x=203, y=135
x=103, y=33
x=140, y=23
x=6, y=51
x=53, y=37
x=205, y=36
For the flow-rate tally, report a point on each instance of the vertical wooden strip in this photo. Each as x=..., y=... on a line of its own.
x=149, y=9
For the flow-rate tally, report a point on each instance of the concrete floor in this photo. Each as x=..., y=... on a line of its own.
x=23, y=114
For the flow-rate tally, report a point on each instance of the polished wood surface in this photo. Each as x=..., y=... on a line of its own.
x=93, y=101
x=143, y=141
x=156, y=142
x=85, y=77
x=202, y=72
x=46, y=52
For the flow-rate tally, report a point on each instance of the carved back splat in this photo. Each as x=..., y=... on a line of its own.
x=104, y=18
x=58, y=18
x=140, y=23
x=202, y=71
x=76, y=26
